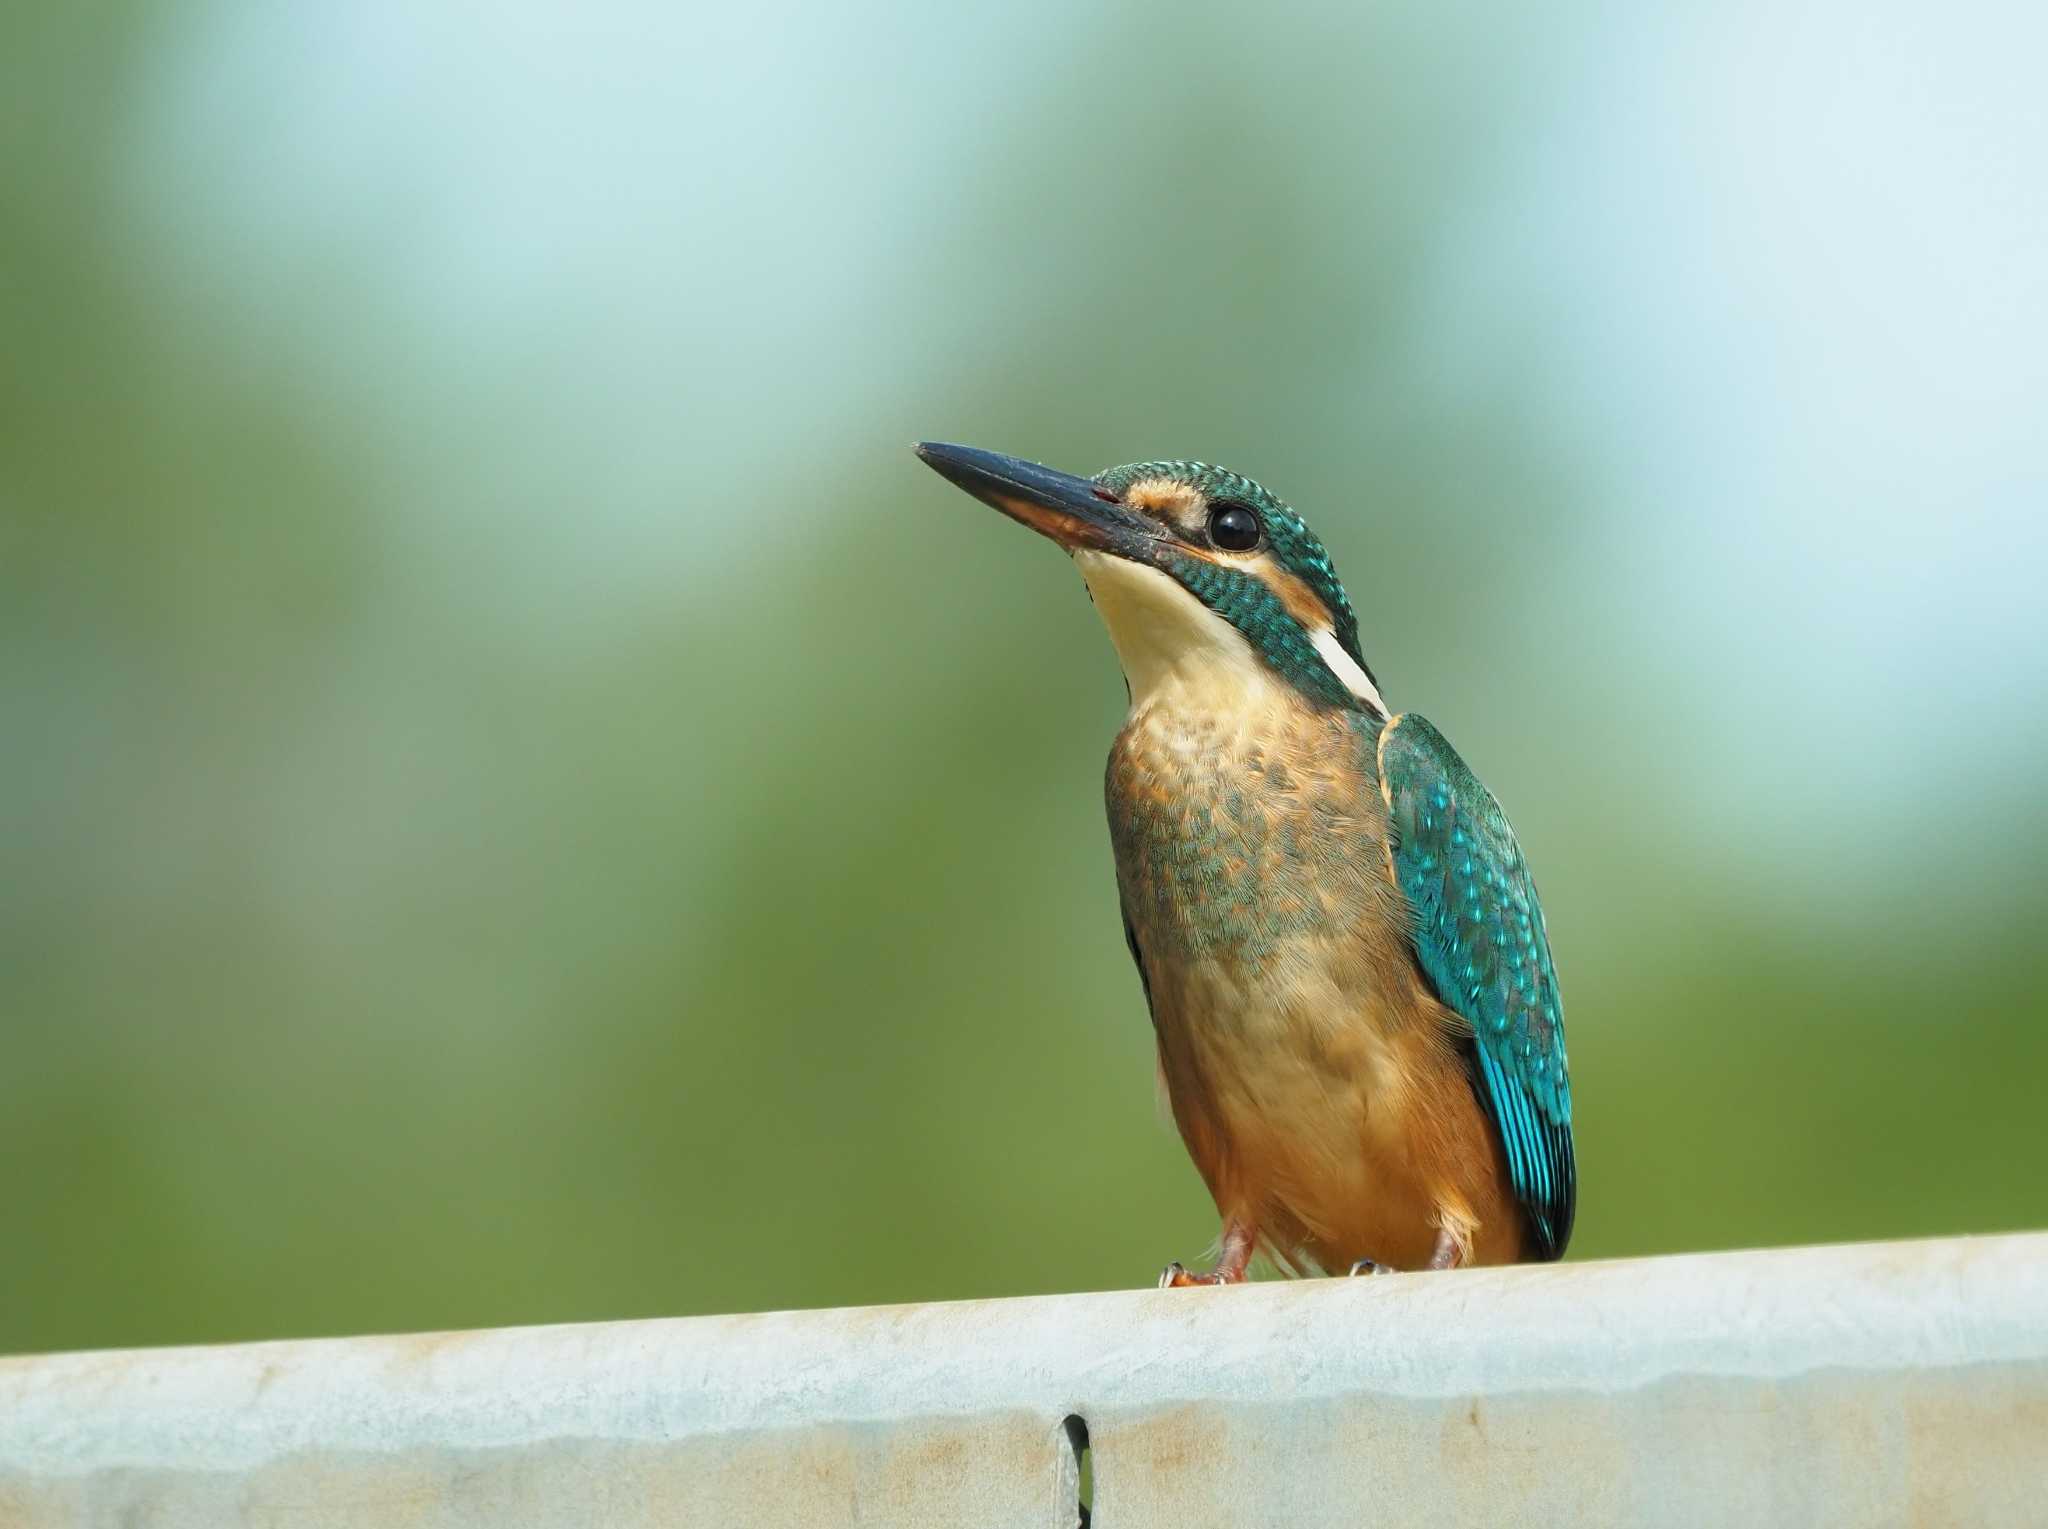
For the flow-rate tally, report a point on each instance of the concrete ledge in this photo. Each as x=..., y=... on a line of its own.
x=1902, y=1383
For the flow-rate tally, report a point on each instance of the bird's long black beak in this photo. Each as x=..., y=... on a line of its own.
x=1074, y=512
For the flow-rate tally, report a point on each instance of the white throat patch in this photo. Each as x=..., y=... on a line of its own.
x=1167, y=640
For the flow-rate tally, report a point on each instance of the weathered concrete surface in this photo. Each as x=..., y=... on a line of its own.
x=1886, y=1384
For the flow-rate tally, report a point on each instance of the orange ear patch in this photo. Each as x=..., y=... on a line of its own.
x=1300, y=600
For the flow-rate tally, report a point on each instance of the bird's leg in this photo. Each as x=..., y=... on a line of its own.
x=1451, y=1250
x=1230, y=1262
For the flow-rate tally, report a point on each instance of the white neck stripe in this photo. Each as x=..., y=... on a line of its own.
x=1347, y=669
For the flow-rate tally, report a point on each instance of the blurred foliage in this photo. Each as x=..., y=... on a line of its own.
x=522, y=802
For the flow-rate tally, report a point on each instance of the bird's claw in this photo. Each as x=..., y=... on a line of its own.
x=1175, y=1276
x=1365, y=1267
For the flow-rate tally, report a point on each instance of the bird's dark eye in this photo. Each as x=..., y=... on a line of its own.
x=1234, y=527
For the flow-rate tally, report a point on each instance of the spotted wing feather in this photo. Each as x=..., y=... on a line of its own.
x=1479, y=937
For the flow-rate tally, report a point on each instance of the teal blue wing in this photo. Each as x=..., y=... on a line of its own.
x=1479, y=937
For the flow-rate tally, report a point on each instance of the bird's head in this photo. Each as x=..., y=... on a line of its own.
x=1194, y=569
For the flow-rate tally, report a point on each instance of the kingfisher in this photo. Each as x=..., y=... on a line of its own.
x=1356, y=1012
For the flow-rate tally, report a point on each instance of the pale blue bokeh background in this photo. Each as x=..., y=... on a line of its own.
x=521, y=800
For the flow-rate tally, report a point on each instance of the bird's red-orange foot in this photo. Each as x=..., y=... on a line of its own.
x=1230, y=1262
x=1175, y=1276
x=1449, y=1254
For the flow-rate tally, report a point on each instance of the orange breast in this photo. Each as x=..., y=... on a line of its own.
x=1316, y=1081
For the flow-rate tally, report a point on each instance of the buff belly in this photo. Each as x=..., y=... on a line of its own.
x=1315, y=1079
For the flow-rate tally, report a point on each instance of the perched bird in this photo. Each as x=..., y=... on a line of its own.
x=1357, y=1017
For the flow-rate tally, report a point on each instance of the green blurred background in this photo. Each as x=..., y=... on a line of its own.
x=521, y=801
